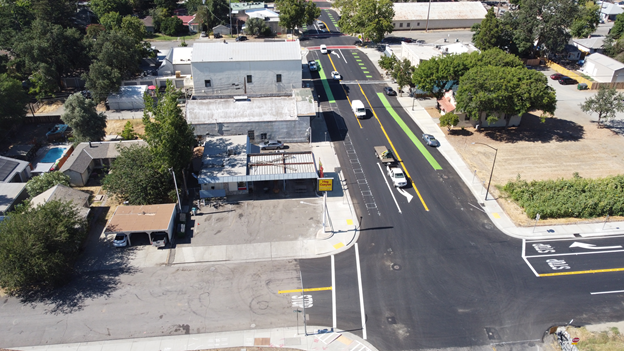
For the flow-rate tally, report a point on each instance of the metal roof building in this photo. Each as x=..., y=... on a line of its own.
x=246, y=51
x=414, y=15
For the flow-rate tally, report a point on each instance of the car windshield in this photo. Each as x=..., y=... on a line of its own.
x=120, y=237
x=399, y=175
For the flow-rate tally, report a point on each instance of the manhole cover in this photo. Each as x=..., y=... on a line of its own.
x=391, y=320
x=488, y=226
x=395, y=266
x=492, y=334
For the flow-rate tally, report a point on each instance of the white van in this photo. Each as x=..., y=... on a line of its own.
x=323, y=48
x=359, y=109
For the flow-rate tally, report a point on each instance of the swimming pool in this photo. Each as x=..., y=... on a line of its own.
x=53, y=155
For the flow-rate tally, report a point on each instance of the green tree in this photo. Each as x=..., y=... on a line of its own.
x=438, y=74
x=102, y=7
x=158, y=15
x=102, y=80
x=171, y=26
x=136, y=177
x=255, y=26
x=296, y=13
x=58, y=12
x=170, y=5
x=39, y=184
x=111, y=20
x=606, y=103
x=388, y=62
x=449, y=120
x=86, y=123
x=13, y=101
x=587, y=19
x=542, y=24
x=617, y=30
x=39, y=245
x=372, y=18
x=94, y=30
x=504, y=90
x=402, y=73
x=129, y=131
x=613, y=48
x=170, y=138
x=489, y=33
x=134, y=28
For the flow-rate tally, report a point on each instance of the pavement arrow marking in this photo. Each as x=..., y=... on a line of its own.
x=333, y=52
x=591, y=246
x=405, y=194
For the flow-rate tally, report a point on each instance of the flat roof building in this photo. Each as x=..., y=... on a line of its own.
x=442, y=15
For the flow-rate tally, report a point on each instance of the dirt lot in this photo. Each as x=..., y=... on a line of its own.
x=540, y=151
x=117, y=126
x=608, y=339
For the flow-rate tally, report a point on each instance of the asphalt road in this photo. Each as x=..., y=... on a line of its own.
x=436, y=273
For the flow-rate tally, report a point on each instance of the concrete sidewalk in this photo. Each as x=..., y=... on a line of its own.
x=494, y=211
x=267, y=340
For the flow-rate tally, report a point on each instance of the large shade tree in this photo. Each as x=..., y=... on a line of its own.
x=372, y=18
x=13, y=101
x=510, y=91
x=81, y=115
x=296, y=13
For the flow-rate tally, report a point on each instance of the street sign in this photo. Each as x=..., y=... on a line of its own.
x=575, y=340
x=537, y=216
x=325, y=184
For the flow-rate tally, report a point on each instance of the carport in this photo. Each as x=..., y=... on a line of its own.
x=281, y=166
x=151, y=219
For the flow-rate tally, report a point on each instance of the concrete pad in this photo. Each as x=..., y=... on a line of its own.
x=249, y=251
x=286, y=248
x=174, y=343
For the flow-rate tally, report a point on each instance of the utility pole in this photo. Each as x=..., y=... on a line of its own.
x=428, y=19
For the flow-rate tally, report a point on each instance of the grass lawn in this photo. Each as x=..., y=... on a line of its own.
x=163, y=37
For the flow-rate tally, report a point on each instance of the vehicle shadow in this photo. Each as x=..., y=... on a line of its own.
x=532, y=129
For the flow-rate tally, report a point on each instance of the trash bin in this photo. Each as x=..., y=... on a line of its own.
x=582, y=86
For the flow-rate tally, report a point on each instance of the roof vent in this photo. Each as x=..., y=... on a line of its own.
x=438, y=47
x=240, y=98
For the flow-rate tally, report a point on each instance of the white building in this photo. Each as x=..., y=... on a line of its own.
x=589, y=45
x=176, y=66
x=283, y=118
x=443, y=15
x=416, y=53
x=602, y=68
x=246, y=68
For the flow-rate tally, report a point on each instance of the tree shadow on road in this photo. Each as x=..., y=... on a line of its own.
x=532, y=129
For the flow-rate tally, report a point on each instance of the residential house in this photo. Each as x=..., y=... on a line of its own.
x=262, y=118
x=442, y=15
x=603, y=68
x=64, y=194
x=148, y=22
x=270, y=17
x=89, y=156
x=187, y=22
x=11, y=194
x=221, y=29
x=246, y=68
x=609, y=11
x=14, y=170
x=589, y=45
x=447, y=104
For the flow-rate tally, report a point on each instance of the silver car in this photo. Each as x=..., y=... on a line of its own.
x=271, y=145
x=430, y=140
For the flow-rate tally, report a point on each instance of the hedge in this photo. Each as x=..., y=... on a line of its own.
x=576, y=197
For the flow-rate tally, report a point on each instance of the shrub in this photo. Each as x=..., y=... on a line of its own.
x=576, y=197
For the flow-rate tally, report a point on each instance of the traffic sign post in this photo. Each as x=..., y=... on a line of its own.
x=575, y=340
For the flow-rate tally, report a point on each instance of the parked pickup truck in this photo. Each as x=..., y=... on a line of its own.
x=393, y=169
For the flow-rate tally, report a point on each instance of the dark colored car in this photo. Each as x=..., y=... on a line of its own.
x=241, y=38
x=556, y=76
x=392, y=40
x=408, y=40
x=217, y=35
x=389, y=91
x=567, y=81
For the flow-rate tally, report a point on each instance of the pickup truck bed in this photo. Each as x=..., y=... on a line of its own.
x=385, y=155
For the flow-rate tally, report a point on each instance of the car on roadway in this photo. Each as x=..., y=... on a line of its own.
x=389, y=91
x=203, y=34
x=392, y=40
x=336, y=75
x=323, y=48
x=430, y=140
x=266, y=145
x=121, y=240
x=241, y=38
x=312, y=65
x=408, y=40
x=217, y=35
x=556, y=76
x=321, y=24
x=566, y=81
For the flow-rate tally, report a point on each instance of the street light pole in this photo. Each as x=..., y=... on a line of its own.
x=176, y=185
x=491, y=170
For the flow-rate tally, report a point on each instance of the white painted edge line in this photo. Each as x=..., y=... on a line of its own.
x=605, y=292
x=564, y=254
x=333, y=294
x=362, y=302
x=568, y=239
x=389, y=187
x=342, y=56
x=527, y=261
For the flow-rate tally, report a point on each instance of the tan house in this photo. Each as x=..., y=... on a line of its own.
x=89, y=156
x=64, y=194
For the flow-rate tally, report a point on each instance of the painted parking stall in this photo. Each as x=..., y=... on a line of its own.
x=556, y=257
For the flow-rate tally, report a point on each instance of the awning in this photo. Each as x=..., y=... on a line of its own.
x=213, y=193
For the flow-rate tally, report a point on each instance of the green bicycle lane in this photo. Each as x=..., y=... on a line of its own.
x=409, y=133
x=324, y=81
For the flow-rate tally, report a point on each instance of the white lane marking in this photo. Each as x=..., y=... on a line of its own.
x=333, y=294
x=405, y=194
x=343, y=56
x=591, y=246
x=527, y=261
x=563, y=254
x=605, y=292
x=362, y=302
x=567, y=239
x=389, y=188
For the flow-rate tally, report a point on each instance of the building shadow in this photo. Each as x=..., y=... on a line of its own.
x=532, y=129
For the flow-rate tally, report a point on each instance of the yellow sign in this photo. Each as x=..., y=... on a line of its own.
x=325, y=184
